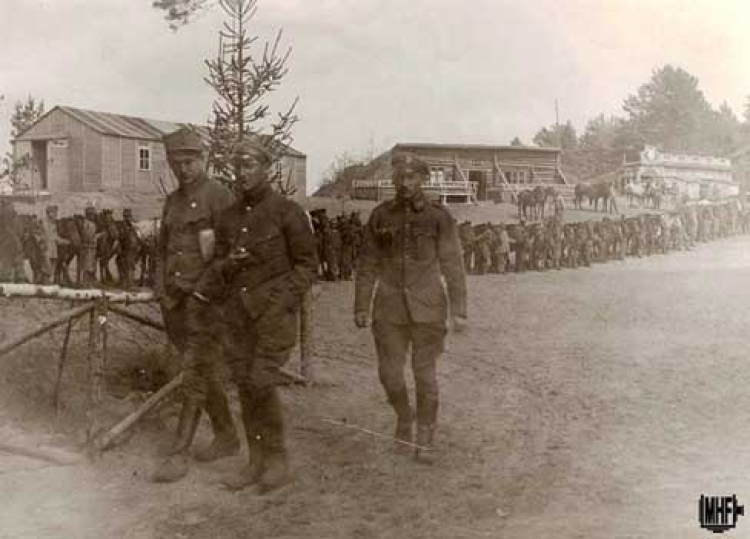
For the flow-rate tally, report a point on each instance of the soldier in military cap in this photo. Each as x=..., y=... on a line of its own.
x=130, y=243
x=52, y=238
x=266, y=262
x=410, y=245
x=184, y=252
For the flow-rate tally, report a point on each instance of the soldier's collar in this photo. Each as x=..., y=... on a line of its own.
x=417, y=203
x=257, y=194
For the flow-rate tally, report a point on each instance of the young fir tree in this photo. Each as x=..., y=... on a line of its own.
x=243, y=80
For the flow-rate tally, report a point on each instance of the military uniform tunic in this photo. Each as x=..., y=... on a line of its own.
x=261, y=289
x=408, y=249
x=190, y=324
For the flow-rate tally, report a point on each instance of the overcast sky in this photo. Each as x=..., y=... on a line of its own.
x=371, y=73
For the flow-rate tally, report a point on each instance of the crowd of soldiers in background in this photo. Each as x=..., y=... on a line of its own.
x=89, y=242
x=554, y=244
x=339, y=244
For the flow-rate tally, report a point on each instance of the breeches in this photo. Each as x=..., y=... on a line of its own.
x=257, y=349
x=192, y=327
x=427, y=341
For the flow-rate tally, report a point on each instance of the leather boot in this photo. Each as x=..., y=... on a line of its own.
x=275, y=470
x=250, y=474
x=175, y=466
x=403, y=435
x=404, y=421
x=225, y=442
x=425, y=451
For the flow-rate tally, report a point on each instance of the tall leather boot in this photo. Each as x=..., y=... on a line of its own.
x=225, y=442
x=250, y=474
x=275, y=470
x=175, y=466
x=427, y=407
x=404, y=421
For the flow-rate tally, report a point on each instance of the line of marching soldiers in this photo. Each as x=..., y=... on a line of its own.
x=553, y=244
x=339, y=242
x=93, y=240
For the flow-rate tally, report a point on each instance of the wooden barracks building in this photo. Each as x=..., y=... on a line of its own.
x=76, y=150
x=465, y=173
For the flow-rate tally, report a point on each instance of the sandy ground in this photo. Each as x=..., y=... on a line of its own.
x=598, y=402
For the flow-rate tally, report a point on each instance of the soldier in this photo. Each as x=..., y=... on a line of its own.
x=503, y=248
x=266, y=262
x=559, y=205
x=130, y=246
x=87, y=257
x=466, y=234
x=410, y=245
x=346, y=260
x=522, y=246
x=184, y=251
x=52, y=239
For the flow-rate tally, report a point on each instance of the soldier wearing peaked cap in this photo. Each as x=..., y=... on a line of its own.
x=410, y=246
x=185, y=250
x=266, y=262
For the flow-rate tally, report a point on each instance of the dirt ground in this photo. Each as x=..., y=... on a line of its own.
x=595, y=402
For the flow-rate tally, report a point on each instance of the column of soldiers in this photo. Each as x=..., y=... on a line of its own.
x=90, y=242
x=554, y=244
x=339, y=242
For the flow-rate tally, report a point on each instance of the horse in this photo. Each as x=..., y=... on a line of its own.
x=34, y=248
x=605, y=193
x=11, y=247
x=107, y=244
x=526, y=201
x=66, y=229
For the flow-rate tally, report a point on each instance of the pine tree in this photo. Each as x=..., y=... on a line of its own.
x=242, y=81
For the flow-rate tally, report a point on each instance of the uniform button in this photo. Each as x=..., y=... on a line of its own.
x=248, y=208
x=179, y=253
x=177, y=274
x=193, y=205
x=244, y=289
x=243, y=250
x=244, y=229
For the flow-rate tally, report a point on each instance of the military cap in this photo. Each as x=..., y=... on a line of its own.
x=90, y=209
x=408, y=163
x=183, y=140
x=52, y=207
x=254, y=148
x=127, y=212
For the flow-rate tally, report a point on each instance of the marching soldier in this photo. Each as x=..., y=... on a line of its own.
x=410, y=245
x=266, y=262
x=184, y=251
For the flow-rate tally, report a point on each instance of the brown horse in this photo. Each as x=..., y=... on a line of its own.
x=66, y=229
x=604, y=192
x=107, y=244
x=526, y=202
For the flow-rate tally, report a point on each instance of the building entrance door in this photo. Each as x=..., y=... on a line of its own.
x=478, y=178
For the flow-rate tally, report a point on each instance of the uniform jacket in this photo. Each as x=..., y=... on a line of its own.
x=406, y=252
x=51, y=237
x=280, y=262
x=187, y=211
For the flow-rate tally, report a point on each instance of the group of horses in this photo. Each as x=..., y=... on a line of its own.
x=129, y=245
x=533, y=202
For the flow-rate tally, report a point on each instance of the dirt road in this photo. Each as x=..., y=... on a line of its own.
x=590, y=403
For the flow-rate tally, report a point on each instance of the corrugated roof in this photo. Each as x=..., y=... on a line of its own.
x=119, y=125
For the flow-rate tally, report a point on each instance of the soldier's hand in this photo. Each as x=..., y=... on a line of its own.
x=460, y=324
x=361, y=320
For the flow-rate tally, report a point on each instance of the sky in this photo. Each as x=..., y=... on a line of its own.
x=372, y=73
